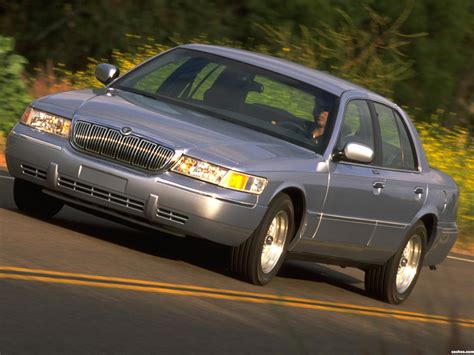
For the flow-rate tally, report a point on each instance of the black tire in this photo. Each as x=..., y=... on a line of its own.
x=30, y=199
x=246, y=259
x=381, y=281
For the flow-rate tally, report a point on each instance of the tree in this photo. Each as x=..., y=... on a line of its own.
x=13, y=92
x=370, y=55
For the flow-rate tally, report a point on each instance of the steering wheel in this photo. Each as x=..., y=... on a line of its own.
x=293, y=126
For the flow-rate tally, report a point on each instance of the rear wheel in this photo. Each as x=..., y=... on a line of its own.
x=394, y=281
x=29, y=198
x=259, y=258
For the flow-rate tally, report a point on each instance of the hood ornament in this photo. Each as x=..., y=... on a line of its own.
x=126, y=131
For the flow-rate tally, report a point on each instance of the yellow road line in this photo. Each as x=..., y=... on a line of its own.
x=197, y=291
x=227, y=291
x=226, y=297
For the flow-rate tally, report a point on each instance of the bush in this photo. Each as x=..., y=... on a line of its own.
x=451, y=151
x=13, y=91
x=46, y=81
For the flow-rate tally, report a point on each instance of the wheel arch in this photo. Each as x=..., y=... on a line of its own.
x=298, y=198
x=430, y=220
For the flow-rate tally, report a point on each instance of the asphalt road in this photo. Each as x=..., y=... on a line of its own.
x=80, y=284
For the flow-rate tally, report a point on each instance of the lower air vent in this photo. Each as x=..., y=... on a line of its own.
x=32, y=171
x=101, y=194
x=171, y=216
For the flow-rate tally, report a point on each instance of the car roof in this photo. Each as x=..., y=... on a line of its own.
x=299, y=72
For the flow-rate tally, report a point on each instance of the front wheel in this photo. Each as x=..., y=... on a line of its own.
x=260, y=257
x=30, y=199
x=394, y=281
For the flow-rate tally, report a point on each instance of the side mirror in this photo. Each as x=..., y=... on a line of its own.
x=106, y=73
x=356, y=152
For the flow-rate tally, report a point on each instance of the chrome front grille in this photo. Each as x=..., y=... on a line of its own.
x=101, y=193
x=126, y=149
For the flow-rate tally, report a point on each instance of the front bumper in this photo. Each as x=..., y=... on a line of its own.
x=166, y=201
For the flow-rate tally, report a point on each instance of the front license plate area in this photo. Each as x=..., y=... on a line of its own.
x=102, y=179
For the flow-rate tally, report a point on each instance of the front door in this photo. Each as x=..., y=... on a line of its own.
x=354, y=192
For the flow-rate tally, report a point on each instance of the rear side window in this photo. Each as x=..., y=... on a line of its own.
x=408, y=152
x=397, y=151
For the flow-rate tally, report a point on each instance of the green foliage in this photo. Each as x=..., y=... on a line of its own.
x=369, y=56
x=433, y=71
x=13, y=92
x=440, y=60
x=451, y=151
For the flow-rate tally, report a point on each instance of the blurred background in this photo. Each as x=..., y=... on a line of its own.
x=418, y=53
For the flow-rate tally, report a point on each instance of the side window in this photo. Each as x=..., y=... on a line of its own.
x=357, y=125
x=392, y=156
x=408, y=152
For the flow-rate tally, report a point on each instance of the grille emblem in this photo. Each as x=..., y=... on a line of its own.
x=126, y=131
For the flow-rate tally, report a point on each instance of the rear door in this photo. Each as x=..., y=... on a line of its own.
x=405, y=191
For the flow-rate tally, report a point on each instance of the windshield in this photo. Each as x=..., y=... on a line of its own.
x=243, y=94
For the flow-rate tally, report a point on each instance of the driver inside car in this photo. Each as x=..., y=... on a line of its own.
x=320, y=124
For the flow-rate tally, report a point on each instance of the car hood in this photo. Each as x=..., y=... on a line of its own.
x=194, y=133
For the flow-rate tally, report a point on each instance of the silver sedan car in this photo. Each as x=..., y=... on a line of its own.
x=268, y=157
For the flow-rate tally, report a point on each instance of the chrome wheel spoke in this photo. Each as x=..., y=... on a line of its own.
x=408, y=263
x=274, y=242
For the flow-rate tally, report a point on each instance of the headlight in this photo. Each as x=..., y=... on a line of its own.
x=46, y=122
x=218, y=175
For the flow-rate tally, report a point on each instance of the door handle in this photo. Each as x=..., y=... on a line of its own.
x=418, y=190
x=378, y=185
